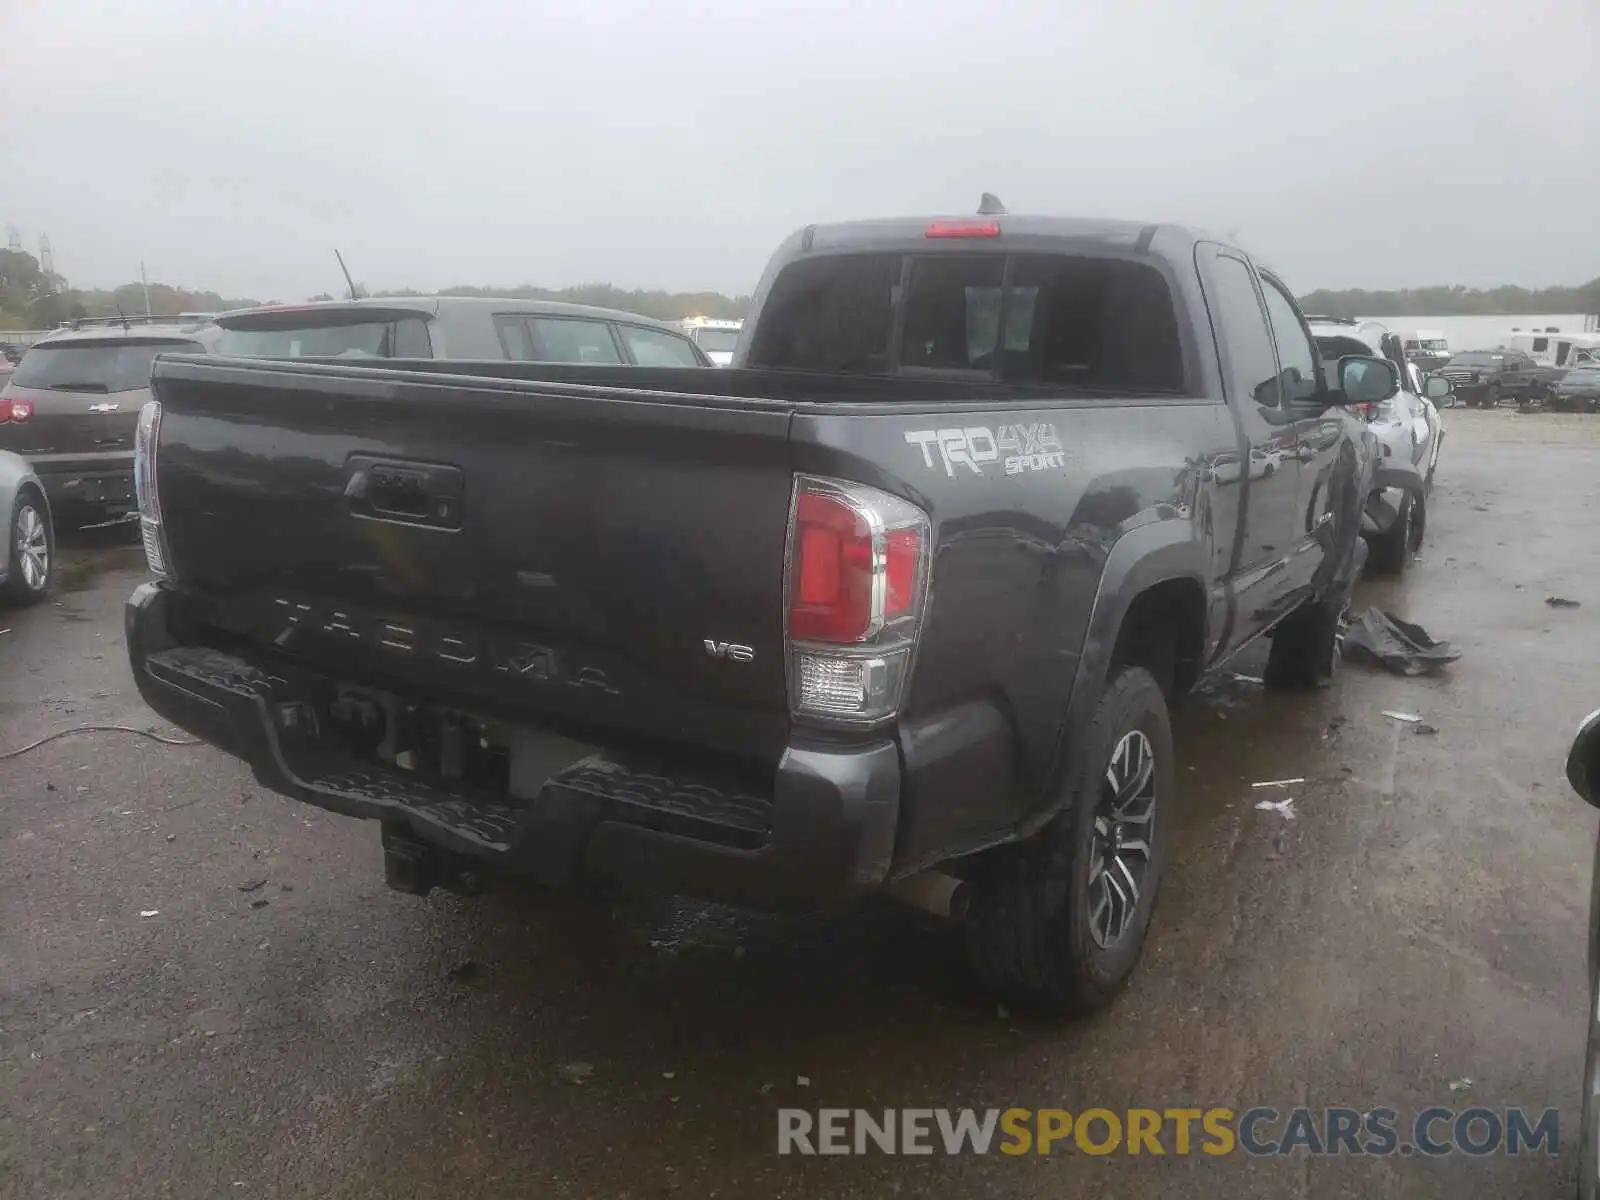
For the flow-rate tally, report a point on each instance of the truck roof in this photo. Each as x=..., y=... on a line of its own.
x=1017, y=232
x=1132, y=235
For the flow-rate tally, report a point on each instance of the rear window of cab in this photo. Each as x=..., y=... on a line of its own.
x=1062, y=320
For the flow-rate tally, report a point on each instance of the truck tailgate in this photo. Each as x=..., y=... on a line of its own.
x=609, y=558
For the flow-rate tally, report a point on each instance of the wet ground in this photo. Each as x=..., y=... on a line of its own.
x=207, y=991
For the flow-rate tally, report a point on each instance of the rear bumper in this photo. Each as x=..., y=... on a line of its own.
x=816, y=834
x=90, y=489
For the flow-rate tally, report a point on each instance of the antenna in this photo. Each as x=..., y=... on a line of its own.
x=990, y=206
x=346, y=271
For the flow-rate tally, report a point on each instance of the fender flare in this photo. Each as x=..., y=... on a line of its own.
x=1407, y=478
x=1154, y=553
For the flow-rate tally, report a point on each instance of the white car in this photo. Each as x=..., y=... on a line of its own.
x=1409, y=433
x=717, y=338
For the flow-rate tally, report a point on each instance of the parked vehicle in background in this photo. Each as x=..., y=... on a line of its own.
x=1428, y=348
x=896, y=603
x=1555, y=353
x=457, y=327
x=1483, y=378
x=1410, y=434
x=718, y=339
x=72, y=404
x=1578, y=389
x=27, y=552
x=9, y=353
x=1551, y=348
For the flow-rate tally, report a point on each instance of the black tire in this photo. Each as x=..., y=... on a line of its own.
x=1390, y=549
x=1305, y=647
x=1040, y=925
x=28, y=526
x=1419, y=523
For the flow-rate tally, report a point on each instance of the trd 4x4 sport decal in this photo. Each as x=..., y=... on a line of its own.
x=1021, y=447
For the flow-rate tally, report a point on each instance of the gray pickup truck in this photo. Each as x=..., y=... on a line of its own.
x=896, y=603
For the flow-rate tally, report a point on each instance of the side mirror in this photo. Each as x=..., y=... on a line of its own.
x=1437, y=387
x=1583, y=760
x=1365, y=380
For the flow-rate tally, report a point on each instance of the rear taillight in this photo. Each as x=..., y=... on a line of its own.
x=15, y=410
x=858, y=568
x=144, y=486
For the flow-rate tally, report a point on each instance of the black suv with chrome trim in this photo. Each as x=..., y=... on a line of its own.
x=897, y=602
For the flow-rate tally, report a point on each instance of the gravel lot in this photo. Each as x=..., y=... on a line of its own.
x=280, y=1024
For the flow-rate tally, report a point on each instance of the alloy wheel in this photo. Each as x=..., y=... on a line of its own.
x=32, y=548
x=1120, y=854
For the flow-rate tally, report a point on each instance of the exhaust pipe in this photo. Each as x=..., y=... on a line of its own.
x=934, y=892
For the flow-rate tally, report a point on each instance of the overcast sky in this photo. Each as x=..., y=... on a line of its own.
x=658, y=143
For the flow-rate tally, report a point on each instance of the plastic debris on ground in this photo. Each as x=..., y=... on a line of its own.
x=1382, y=639
x=1284, y=808
x=1276, y=783
x=1425, y=729
x=1408, y=718
x=1460, y=1085
x=1561, y=602
x=150, y=912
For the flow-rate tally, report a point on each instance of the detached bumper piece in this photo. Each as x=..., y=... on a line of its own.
x=819, y=832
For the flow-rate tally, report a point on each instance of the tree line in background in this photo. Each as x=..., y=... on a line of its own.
x=1454, y=301
x=31, y=299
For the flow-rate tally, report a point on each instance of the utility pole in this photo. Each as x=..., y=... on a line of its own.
x=144, y=279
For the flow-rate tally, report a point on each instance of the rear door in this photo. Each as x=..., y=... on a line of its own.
x=1325, y=438
x=528, y=338
x=658, y=348
x=1265, y=506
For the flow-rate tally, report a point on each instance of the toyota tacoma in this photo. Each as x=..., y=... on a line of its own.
x=896, y=603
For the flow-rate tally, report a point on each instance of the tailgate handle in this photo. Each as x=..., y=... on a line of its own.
x=410, y=493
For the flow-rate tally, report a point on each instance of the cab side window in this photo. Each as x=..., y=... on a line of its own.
x=1297, y=360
